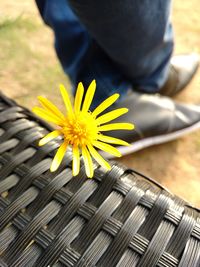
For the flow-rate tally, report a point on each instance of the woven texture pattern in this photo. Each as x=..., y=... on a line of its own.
x=118, y=218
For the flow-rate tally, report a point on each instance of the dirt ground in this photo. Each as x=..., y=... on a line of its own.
x=28, y=67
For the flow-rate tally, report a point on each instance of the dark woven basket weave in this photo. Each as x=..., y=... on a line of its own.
x=119, y=218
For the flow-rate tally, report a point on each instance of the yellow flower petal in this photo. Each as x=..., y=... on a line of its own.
x=88, y=162
x=49, y=106
x=76, y=161
x=107, y=148
x=82, y=129
x=66, y=99
x=78, y=97
x=58, y=157
x=49, y=137
x=105, y=104
x=116, y=126
x=44, y=114
x=112, y=140
x=89, y=96
x=98, y=157
x=111, y=115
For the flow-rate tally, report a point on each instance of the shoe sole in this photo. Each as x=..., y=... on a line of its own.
x=155, y=140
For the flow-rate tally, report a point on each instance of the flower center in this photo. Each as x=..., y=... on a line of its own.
x=80, y=129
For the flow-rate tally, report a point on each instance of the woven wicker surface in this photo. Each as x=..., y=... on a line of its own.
x=119, y=218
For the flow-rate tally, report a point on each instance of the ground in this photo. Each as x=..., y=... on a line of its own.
x=29, y=67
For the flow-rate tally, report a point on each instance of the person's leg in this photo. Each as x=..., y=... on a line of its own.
x=71, y=39
x=126, y=42
x=136, y=35
x=81, y=57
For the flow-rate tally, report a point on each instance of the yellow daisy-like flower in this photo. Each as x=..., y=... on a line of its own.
x=81, y=129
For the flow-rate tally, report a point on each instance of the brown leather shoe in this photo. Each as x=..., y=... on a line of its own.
x=182, y=69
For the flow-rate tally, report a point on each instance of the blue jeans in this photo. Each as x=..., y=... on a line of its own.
x=122, y=44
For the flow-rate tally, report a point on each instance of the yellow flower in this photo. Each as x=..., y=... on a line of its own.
x=81, y=129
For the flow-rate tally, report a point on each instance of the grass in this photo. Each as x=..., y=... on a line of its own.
x=26, y=67
x=20, y=22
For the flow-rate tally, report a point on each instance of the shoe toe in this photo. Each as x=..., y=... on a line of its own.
x=155, y=115
x=189, y=62
x=182, y=69
x=185, y=66
x=187, y=115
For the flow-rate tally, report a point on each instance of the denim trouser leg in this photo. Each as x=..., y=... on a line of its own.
x=127, y=42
